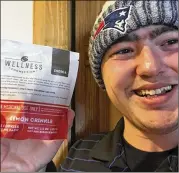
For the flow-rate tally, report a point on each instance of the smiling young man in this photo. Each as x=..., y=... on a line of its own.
x=134, y=57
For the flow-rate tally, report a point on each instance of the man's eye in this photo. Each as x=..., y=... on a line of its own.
x=124, y=51
x=170, y=42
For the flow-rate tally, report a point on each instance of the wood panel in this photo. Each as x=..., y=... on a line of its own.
x=51, y=23
x=94, y=111
x=92, y=104
x=51, y=27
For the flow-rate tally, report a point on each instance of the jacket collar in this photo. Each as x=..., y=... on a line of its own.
x=111, y=144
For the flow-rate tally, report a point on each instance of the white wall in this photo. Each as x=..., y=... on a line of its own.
x=17, y=20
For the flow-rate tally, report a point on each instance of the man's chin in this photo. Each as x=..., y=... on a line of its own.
x=162, y=129
x=155, y=122
x=159, y=127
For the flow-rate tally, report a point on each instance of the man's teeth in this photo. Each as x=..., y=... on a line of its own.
x=154, y=92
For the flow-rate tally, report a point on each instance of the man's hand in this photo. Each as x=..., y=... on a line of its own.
x=29, y=155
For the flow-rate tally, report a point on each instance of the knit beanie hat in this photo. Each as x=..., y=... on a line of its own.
x=121, y=17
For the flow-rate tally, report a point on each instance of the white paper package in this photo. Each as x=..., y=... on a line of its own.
x=37, y=83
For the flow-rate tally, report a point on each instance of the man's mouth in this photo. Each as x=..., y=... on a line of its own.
x=154, y=92
x=154, y=96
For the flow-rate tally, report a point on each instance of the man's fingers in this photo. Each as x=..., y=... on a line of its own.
x=71, y=115
x=4, y=149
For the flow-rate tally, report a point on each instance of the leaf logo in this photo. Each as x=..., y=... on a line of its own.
x=24, y=58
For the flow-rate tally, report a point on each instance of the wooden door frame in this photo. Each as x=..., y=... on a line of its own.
x=51, y=27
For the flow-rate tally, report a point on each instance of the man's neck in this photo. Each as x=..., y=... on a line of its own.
x=149, y=142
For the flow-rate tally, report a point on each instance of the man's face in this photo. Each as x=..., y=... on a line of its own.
x=140, y=73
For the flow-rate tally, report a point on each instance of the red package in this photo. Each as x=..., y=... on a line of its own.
x=22, y=120
x=37, y=84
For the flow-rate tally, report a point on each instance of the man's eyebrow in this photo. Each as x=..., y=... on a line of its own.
x=132, y=37
x=159, y=31
x=127, y=38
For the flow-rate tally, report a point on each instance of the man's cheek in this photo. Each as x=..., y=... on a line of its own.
x=113, y=76
x=172, y=62
x=176, y=65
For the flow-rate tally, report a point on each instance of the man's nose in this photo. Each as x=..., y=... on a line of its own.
x=149, y=62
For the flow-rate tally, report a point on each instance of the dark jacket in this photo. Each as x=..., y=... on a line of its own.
x=105, y=153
